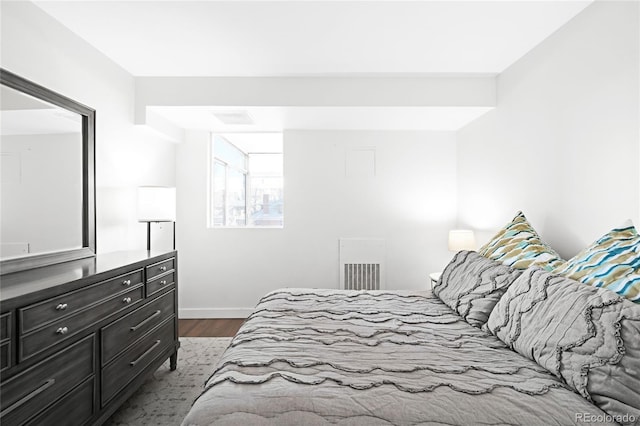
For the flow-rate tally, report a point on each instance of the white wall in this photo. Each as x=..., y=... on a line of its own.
x=562, y=145
x=35, y=46
x=563, y=142
x=411, y=203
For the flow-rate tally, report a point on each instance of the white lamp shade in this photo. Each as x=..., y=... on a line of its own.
x=156, y=204
x=461, y=239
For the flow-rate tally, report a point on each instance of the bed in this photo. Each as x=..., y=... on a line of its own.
x=511, y=335
x=311, y=356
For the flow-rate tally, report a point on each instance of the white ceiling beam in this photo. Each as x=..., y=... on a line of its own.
x=414, y=91
x=161, y=125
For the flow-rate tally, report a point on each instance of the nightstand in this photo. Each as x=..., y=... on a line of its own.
x=434, y=277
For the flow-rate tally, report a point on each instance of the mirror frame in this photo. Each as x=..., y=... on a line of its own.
x=88, y=248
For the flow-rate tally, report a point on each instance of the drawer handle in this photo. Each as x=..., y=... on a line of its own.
x=163, y=282
x=155, y=345
x=126, y=300
x=153, y=315
x=126, y=282
x=62, y=331
x=61, y=307
x=163, y=268
x=28, y=397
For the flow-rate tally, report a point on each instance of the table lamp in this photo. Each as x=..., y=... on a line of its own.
x=461, y=239
x=157, y=204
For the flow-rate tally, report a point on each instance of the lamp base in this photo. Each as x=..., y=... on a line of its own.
x=149, y=235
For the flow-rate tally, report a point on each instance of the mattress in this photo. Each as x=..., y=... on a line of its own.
x=315, y=357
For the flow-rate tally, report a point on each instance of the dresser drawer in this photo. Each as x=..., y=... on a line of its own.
x=50, y=310
x=160, y=268
x=124, y=368
x=62, y=329
x=76, y=408
x=5, y=355
x=160, y=283
x=120, y=334
x=5, y=341
x=5, y=326
x=29, y=392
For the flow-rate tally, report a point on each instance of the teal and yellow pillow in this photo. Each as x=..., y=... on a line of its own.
x=518, y=245
x=612, y=261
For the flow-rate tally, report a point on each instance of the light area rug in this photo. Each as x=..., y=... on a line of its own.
x=166, y=397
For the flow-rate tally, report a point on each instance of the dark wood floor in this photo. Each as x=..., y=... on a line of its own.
x=224, y=327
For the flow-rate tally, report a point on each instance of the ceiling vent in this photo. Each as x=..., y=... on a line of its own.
x=233, y=117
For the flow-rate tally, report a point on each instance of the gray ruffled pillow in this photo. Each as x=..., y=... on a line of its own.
x=589, y=337
x=472, y=285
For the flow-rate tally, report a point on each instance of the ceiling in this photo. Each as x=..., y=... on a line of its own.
x=316, y=38
x=276, y=38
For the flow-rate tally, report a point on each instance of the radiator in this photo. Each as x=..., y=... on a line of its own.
x=362, y=264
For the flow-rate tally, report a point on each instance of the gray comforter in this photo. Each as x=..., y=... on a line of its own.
x=310, y=357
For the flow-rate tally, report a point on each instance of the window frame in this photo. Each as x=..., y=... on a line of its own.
x=246, y=172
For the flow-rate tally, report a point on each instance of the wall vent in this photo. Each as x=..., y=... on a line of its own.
x=361, y=276
x=362, y=264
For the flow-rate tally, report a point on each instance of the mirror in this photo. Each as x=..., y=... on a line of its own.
x=47, y=186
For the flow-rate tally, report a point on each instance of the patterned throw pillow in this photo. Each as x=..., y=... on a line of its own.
x=518, y=245
x=612, y=262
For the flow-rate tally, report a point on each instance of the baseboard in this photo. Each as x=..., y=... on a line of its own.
x=198, y=313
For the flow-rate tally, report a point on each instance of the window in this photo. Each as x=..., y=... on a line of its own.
x=247, y=182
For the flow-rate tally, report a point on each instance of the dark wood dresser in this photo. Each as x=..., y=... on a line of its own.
x=78, y=338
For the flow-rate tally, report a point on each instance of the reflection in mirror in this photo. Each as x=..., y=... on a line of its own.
x=42, y=179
